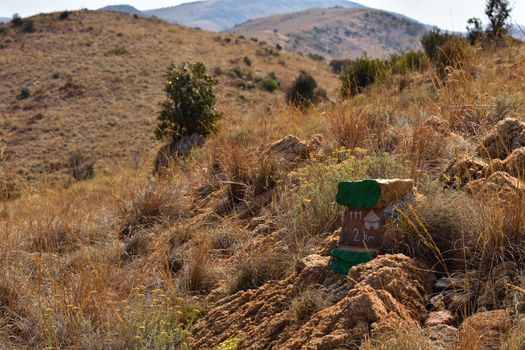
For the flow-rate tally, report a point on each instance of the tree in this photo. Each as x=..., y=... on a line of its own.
x=498, y=12
x=474, y=30
x=190, y=103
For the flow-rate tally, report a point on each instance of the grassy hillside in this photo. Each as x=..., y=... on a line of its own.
x=229, y=249
x=220, y=15
x=337, y=32
x=95, y=81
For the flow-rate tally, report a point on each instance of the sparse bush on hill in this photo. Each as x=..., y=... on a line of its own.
x=24, y=93
x=360, y=74
x=190, y=102
x=454, y=53
x=268, y=84
x=64, y=15
x=80, y=166
x=445, y=50
x=338, y=66
x=474, y=30
x=409, y=61
x=432, y=40
x=304, y=91
x=16, y=20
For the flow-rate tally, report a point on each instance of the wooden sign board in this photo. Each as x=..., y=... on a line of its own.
x=363, y=228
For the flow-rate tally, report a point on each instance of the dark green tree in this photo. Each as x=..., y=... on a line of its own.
x=190, y=102
x=498, y=12
x=304, y=91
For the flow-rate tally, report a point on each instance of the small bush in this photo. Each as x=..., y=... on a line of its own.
x=305, y=92
x=407, y=62
x=149, y=206
x=474, y=30
x=17, y=21
x=360, y=74
x=118, y=51
x=8, y=190
x=190, y=102
x=28, y=26
x=432, y=40
x=316, y=57
x=452, y=54
x=268, y=84
x=80, y=167
x=309, y=301
x=24, y=93
x=64, y=15
x=338, y=66
x=247, y=61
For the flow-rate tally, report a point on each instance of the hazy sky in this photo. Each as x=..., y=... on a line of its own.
x=449, y=14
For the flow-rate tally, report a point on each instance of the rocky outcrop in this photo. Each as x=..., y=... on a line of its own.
x=462, y=170
x=485, y=330
x=508, y=135
x=290, y=148
x=376, y=298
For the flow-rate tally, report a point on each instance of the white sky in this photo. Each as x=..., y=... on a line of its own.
x=447, y=14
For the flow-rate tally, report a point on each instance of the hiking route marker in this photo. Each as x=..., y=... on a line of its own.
x=368, y=203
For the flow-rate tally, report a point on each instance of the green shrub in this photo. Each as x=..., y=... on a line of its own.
x=190, y=102
x=64, y=15
x=360, y=74
x=432, y=40
x=338, y=66
x=24, y=93
x=409, y=61
x=28, y=26
x=304, y=91
x=268, y=84
x=453, y=53
x=17, y=21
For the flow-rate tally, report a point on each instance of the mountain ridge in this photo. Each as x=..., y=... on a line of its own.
x=211, y=15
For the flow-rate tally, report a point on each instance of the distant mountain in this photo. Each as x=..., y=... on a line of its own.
x=123, y=8
x=518, y=32
x=4, y=19
x=337, y=32
x=217, y=15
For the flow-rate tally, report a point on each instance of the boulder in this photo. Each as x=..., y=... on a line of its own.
x=515, y=163
x=508, y=135
x=462, y=170
x=393, y=190
x=290, y=148
x=436, y=318
x=392, y=273
x=442, y=336
x=485, y=330
x=173, y=150
x=311, y=270
x=499, y=183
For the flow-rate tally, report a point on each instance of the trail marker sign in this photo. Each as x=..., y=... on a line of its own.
x=362, y=232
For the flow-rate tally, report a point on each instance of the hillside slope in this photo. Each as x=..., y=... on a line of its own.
x=95, y=82
x=337, y=32
x=220, y=15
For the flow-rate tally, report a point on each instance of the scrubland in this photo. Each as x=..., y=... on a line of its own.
x=130, y=260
